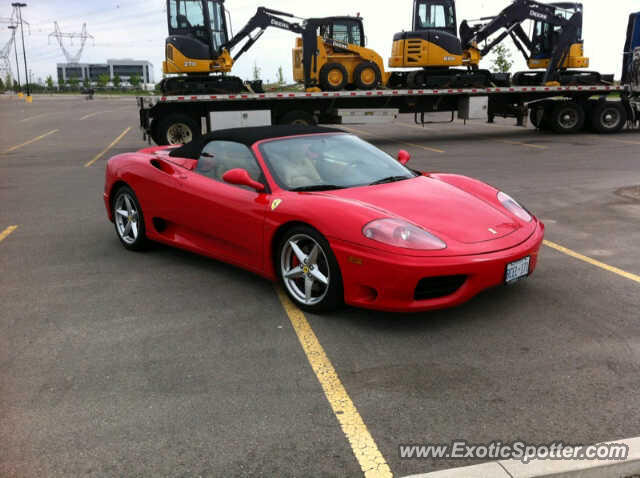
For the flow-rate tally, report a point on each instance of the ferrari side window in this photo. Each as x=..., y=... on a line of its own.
x=218, y=157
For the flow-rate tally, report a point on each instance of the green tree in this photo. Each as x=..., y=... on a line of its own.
x=103, y=80
x=257, y=71
x=73, y=83
x=49, y=82
x=117, y=81
x=135, y=81
x=501, y=61
x=280, y=76
x=1, y=86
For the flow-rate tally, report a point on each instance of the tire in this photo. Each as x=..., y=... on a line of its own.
x=333, y=77
x=566, y=117
x=608, y=117
x=177, y=129
x=416, y=79
x=128, y=219
x=367, y=76
x=536, y=116
x=298, y=117
x=316, y=285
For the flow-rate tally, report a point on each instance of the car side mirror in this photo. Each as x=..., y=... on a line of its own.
x=240, y=177
x=403, y=157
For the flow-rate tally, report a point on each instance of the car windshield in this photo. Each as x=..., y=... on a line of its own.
x=334, y=161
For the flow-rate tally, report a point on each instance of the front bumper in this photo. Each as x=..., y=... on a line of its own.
x=379, y=280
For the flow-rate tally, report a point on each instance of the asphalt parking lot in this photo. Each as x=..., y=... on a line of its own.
x=168, y=364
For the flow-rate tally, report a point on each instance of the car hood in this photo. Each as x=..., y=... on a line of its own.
x=439, y=207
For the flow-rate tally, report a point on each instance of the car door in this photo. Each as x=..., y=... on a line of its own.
x=226, y=220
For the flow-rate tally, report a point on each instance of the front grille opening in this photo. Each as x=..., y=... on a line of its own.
x=437, y=287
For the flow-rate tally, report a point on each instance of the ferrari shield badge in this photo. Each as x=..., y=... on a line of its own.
x=275, y=204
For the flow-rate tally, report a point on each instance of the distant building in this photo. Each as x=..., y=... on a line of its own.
x=125, y=69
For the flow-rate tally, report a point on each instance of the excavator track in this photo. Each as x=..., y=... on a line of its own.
x=442, y=78
x=565, y=78
x=208, y=85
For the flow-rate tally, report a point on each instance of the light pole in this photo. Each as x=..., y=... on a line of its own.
x=19, y=7
x=15, y=46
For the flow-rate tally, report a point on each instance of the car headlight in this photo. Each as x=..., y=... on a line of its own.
x=513, y=206
x=398, y=233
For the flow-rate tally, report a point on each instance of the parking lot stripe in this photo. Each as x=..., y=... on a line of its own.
x=4, y=234
x=33, y=117
x=528, y=145
x=589, y=260
x=364, y=448
x=427, y=148
x=26, y=143
x=106, y=150
x=91, y=115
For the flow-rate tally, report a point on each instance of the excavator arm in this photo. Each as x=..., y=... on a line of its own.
x=263, y=19
x=509, y=23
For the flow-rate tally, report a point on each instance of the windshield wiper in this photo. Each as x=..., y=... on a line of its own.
x=316, y=187
x=390, y=179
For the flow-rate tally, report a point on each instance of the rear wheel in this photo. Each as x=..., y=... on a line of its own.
x=177, y=129
x=333, y=77
x=129, y=220
x=367, y=76
x=566, y=117
x=608, y=117
x=298, y=117
x=309, y=270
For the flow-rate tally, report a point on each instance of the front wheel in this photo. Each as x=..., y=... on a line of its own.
x=309, y=270
x=567, y=117
x=608, y=117
x=128, y=219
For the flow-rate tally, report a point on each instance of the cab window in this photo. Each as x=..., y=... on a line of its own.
x=218, y=157
x=436, y=15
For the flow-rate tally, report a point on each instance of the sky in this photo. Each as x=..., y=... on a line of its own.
x=136, y=29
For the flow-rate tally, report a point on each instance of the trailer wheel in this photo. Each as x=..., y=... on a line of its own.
x=298, y=117
x=567, y=117
x=177, y=129
x=536, y=116
x=367, y=76
x=333, y=77
x=608, y=117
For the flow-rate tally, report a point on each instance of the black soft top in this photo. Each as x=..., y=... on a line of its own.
x=246, y=136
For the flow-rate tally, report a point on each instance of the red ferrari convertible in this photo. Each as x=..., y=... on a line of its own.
x=329, y=215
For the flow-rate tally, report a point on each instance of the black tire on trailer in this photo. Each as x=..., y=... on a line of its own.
x=333, y=77
x=536, y=116
x=367, y=76
x=177, y=128
x=298, y=117
x=608, y=117
x=566, y=117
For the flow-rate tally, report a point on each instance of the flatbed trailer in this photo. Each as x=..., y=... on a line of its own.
x=563, y=109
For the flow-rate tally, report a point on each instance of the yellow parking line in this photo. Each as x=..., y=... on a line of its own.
x=104, y=151
x=528, y=145
x=13, y=148
x=427, y=148
x=91, y=115
x=33, y=117
x=435, y=150
x=4, y=234
x=593, y=262
x=364, y=448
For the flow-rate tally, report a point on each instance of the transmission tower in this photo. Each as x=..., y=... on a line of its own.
x=83, y=36
x=5, y=52
x=5, y=57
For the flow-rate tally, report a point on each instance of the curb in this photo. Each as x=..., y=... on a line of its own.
x=550, y=468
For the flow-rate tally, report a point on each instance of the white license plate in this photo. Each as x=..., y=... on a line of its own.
x=517, y=270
